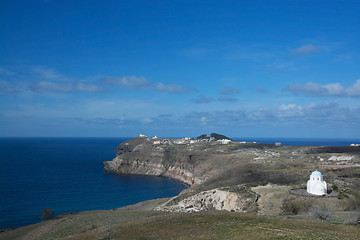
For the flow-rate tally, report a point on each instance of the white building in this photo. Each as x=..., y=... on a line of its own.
x=316, y=184
x=224, y=141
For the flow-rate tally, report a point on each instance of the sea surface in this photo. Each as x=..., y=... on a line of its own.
x=66, y=175
x=304, y=141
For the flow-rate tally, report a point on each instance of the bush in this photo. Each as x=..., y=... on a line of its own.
x=335, y=187
x=352, y=203
x=295, y=205
x=255, y=184
x=354, y=221
x=321, y=212
x=342, y=195
x=47, y=213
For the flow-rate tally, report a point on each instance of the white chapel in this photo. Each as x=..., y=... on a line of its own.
x=316, y=184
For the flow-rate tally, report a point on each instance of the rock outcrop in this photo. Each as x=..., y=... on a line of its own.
x=215, y=199
x=212, y=137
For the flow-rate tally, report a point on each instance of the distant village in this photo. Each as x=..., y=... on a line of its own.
x=186, y=140
x=205, y=138
x=355, y=145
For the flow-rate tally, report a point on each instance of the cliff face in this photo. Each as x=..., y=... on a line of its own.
x=149, y=157
x=192, y=161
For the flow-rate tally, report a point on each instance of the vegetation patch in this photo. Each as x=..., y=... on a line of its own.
x=295, y=205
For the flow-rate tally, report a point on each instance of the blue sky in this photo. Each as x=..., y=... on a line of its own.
x=180, y=68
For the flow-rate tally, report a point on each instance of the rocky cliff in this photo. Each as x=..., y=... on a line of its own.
x=155, y=157
x=191, y=161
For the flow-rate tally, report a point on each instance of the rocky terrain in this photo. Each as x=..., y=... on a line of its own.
x=215, y=199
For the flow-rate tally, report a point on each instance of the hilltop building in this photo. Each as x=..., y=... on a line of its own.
x=316, y=184
x=224, y=141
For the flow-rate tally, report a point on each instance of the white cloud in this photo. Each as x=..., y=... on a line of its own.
x=354, y=90
x=278, y=67
x=260, y=114
x=204, y=99
x=229, y=91
x=128, y=82
x=172, y=88
x=203, y=120
x=290, y=110
x=6, y=88
x=314, y=114
x=227, y=99
x=5, y=71
x=209, y=99
x=142, y=83
x=85, y=87
x=260, y=89
x=46, y=73
x=306, y=49
x=332, y=89
x=46, y=86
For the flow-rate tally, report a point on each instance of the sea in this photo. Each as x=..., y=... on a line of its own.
x=304, y=141
x=66, y=175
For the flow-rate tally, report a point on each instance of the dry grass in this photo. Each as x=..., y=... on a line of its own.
x=270, y=200
x=222, y=225
x=74, y=224
x=205, y=225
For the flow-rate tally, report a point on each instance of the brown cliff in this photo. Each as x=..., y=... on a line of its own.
x=149, y=157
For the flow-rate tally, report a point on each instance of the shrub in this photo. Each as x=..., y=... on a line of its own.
x=295, y=205
x=321, y=212
x=47, y=213
x=352, y=203
x=342, y=195
x=255, y=184
x=335, y=187
x=355, y=221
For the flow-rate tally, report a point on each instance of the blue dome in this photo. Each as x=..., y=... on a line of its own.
x=316, y=174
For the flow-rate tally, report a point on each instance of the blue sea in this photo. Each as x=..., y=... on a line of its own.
x=304, y=141
x=66, y=175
